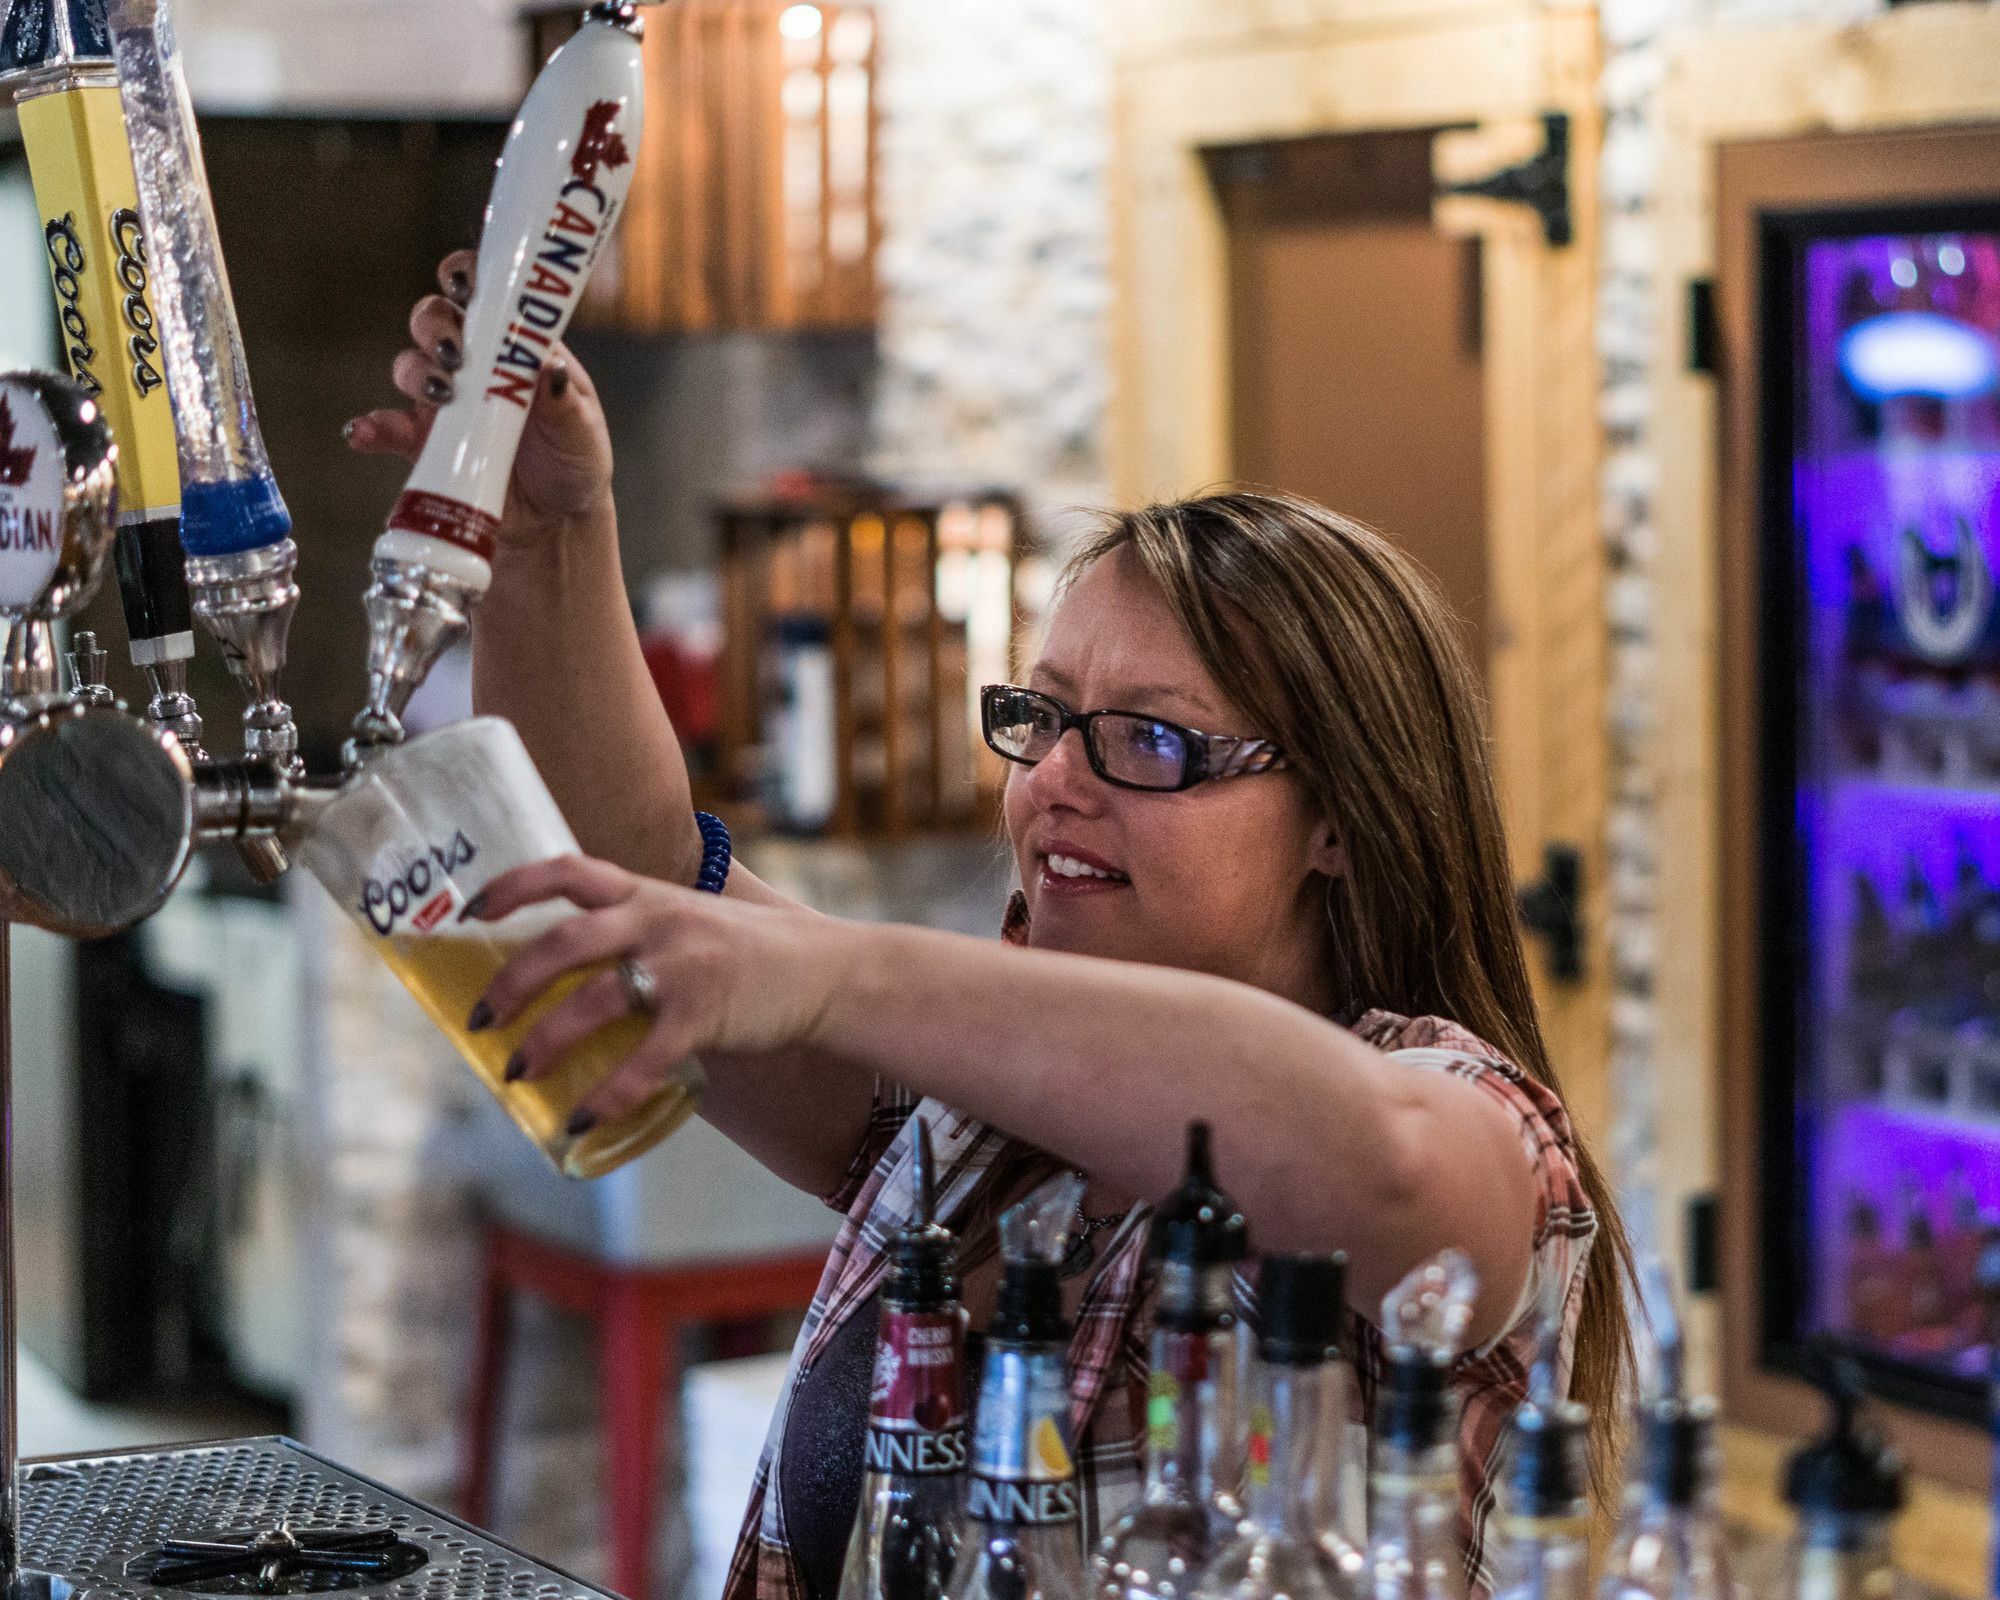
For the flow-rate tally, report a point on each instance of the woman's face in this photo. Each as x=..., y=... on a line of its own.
x=1227, y=877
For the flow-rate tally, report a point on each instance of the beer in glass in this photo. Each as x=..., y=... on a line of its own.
x=423, y=828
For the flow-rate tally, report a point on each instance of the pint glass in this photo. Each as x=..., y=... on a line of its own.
x=405, y=846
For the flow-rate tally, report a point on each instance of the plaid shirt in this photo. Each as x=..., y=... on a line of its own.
x=1108, y=1355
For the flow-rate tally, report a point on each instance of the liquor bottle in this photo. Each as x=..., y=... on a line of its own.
x=906, y=1538
x=1413, y=1545
x=1544, y=1522
x=1846, y=1489
x=1278, y=1552
x=1191, y=1503
x=1922, y=1265
x=1022, y=1537
x=1670, y=1543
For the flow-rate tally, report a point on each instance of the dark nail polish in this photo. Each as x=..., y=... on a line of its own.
x=450, y=357
x=559, y=381
x=580, y=1124
x=475, y=908
x=517, y=1067
x=436, y=390
x=460, y=288
x=481, y=1018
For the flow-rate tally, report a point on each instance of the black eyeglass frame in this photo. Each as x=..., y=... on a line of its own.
x=1205, y=757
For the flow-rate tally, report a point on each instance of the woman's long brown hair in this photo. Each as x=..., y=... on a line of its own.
x=1334, y=643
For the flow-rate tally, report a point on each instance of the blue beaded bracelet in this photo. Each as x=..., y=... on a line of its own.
x=714, y=853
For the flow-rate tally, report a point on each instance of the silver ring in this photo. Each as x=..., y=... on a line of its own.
x=641, y=988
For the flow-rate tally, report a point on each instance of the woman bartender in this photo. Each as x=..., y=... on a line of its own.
x=1263, y=883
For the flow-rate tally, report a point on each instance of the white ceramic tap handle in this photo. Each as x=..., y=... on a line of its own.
x=563, y=178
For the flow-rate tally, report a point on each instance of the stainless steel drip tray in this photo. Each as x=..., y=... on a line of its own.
x=97, y=1525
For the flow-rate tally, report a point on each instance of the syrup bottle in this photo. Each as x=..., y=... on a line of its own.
x=906, y=1537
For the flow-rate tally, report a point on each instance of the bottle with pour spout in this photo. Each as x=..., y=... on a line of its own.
x=1847, y=1488
x=1022, y=1538
x=1288, y=1546
x=1191, y=1503
x=1413, y=1546
x=1670, y=1543
x=1544, y=1522
x=905, y=1540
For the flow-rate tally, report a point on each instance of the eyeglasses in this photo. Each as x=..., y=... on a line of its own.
x=1124, y=747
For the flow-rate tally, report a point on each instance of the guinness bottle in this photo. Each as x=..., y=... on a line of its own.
x=1023, y=1536
x=906, y=1537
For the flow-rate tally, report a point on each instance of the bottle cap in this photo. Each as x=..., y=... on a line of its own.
x=923, y=1256
x=1550, y=1468
x=1852, y=1469
x=1030, y=1306
x=1198, y=1224
x=1301, y=1304
x=1414, y=1411
x=1675, y=1453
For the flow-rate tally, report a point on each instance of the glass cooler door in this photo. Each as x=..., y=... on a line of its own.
x=1882, y=763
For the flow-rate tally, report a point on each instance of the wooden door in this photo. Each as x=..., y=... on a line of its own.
x=1355, y=348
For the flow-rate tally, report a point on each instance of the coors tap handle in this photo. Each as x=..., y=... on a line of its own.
x=240, y=556
x=563, y=177
x=56, y=68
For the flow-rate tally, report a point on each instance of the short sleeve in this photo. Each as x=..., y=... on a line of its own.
x=1565, y=1222
x=892, y=1107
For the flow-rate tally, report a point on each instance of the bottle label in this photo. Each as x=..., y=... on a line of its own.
x=1023, y=1470
x=1262, y=1426
x=916, y=1412
x=1181, y=1370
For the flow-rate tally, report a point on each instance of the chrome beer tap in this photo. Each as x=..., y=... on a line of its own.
x=99, y=810
x=234, y=525
x=562, y=182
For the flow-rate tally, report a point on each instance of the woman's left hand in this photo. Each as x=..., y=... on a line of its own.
x=731, y=978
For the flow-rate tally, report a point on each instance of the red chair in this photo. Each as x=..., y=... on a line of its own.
x=639, y=1312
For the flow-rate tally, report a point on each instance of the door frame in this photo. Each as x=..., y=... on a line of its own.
x=1195, y=74
x=1920, y=68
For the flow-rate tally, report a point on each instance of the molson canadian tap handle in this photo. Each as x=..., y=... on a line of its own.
x=233, y=520
x=562, y=182
x=56, y=67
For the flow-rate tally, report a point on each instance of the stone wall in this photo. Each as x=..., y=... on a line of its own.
x=1637, y=37
x=995, y=342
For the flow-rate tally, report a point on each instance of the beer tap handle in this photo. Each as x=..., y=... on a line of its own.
x=564, y=174
x=152, y=584
x=234, y=525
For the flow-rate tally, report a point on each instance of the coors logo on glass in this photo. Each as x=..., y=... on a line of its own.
x=404, y=848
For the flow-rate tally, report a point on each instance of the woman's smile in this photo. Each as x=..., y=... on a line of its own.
x=1069, y=871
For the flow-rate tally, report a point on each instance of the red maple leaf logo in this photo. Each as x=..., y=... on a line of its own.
x=15, y=465
x=599, y=146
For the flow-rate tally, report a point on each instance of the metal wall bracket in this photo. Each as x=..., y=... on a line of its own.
x=1551, y=908
x=1541, y=182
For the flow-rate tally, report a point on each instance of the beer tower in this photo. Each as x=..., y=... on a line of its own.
x=99, y=809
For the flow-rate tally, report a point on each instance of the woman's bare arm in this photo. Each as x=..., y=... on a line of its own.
x=1327, y=1142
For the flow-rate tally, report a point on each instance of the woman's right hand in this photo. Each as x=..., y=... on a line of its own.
x=563, y=469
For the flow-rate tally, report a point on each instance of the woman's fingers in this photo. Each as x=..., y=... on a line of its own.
x=595, y=1004
x=637, y=1079
x=456, y=274
x=438, y=326
x=421, y=378
x=580, y=941
x=586, y=883
x=389, y=433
